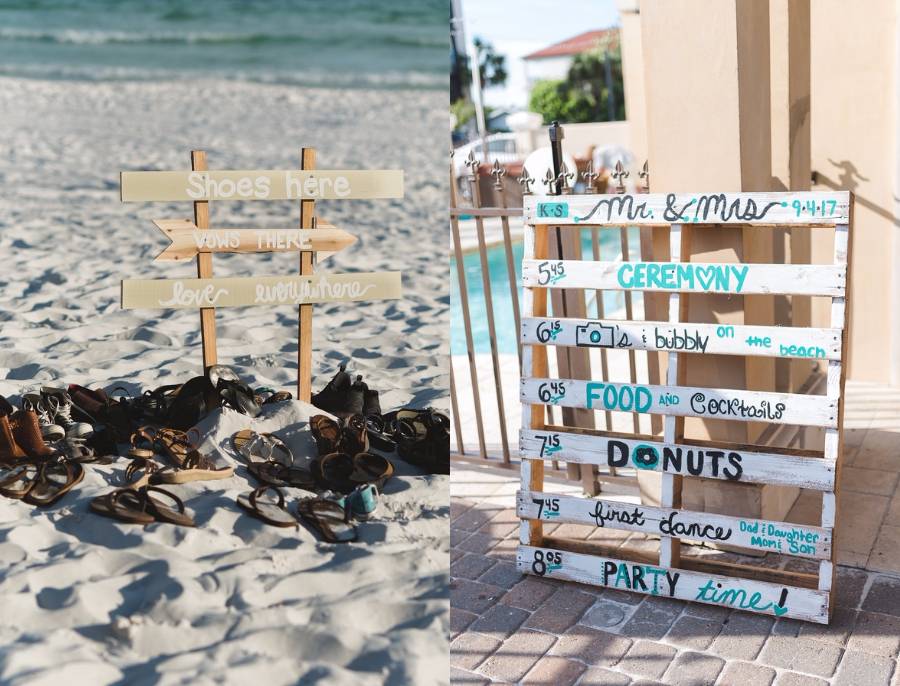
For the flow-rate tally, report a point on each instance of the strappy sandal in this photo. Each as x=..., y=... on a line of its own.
x=143, y=443
x=16, y=481
x=54, y=479
x=190, y=403
x=333, y=472
x=369, y=468
x=255, y=447
x=326, y=433
x=139, y=472
x=188, y=463
x=274, y=513
x=276, y=474
x=328, y=518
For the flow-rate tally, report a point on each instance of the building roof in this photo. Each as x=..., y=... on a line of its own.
x=576, y=45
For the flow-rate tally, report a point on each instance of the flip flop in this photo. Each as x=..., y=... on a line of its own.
x=18, y=480
x=53, y=481
x=232, y=392
x=327, y=434
x=274, y=513
x=254, y=447
x=333, y=472
x=328, y=518
x=275, y=474
x=370, y=468
x=142, y=443
x=123, y=504
x=162, y=512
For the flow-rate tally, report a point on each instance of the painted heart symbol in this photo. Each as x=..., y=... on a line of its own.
x=705, y=276
x=779, y=610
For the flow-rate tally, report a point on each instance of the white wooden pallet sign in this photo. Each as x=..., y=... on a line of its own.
x=671, y=456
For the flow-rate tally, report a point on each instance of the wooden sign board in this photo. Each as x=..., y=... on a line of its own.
x=144, y=186
x=671, y=455
x=734, y=593
x=187, y=241
x=312, y=240
x=260, y=290
x=741, y=279
x=756, y=534
x=718, y=339
x=657, y=209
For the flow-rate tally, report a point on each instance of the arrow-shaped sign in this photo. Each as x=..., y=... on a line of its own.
x=188, y=240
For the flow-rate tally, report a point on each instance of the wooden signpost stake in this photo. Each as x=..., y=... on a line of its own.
x=779, y=593
x=313, y=239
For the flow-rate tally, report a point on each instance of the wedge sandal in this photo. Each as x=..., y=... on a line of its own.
x=274, y=513
x=328, y=518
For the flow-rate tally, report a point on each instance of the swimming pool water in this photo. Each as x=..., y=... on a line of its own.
x=500, y=292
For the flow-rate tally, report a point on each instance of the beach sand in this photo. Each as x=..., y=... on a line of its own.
x=87, y=600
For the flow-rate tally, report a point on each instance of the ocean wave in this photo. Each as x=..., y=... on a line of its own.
x=313, y=79
x=94, y=37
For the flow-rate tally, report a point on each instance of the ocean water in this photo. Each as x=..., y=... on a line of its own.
x=336, y=43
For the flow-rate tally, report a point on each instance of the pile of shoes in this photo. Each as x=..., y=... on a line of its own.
x=420, y=436
x=344, y=476
x=30, y=470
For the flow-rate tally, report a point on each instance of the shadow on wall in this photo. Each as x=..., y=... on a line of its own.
x=849, y=178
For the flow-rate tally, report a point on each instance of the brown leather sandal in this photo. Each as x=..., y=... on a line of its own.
x=354, y=435
x=18, y=480
x=123, y=504
x=369, y=468
x=139, y=472
x=54, y=479
x=143, y=443
x=327, y=434
x=333, y=472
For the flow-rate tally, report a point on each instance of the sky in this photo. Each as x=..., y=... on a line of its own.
x=521, y=27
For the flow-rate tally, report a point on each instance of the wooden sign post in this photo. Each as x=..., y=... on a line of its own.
x=779, y=593
x=312, y=239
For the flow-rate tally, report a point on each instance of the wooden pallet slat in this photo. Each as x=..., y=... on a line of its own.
x=731, y=592
x=756, y=534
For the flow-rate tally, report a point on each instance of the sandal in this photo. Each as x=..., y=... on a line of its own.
x=54, y=479
x=276, y=474
x=190, y=403
x=18, y=480
x=231, y=391
x=138, y=506
x=123, y=504
x=142, y=443
x=254, y=447
x=369, y=468
x=139, y=472
x=354, y=436
x=327, y=434
x=328, y=518
x=333, y=472
x=274, y=513
x=188, y=463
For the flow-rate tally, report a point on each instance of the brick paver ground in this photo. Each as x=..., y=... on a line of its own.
x=513, y=629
